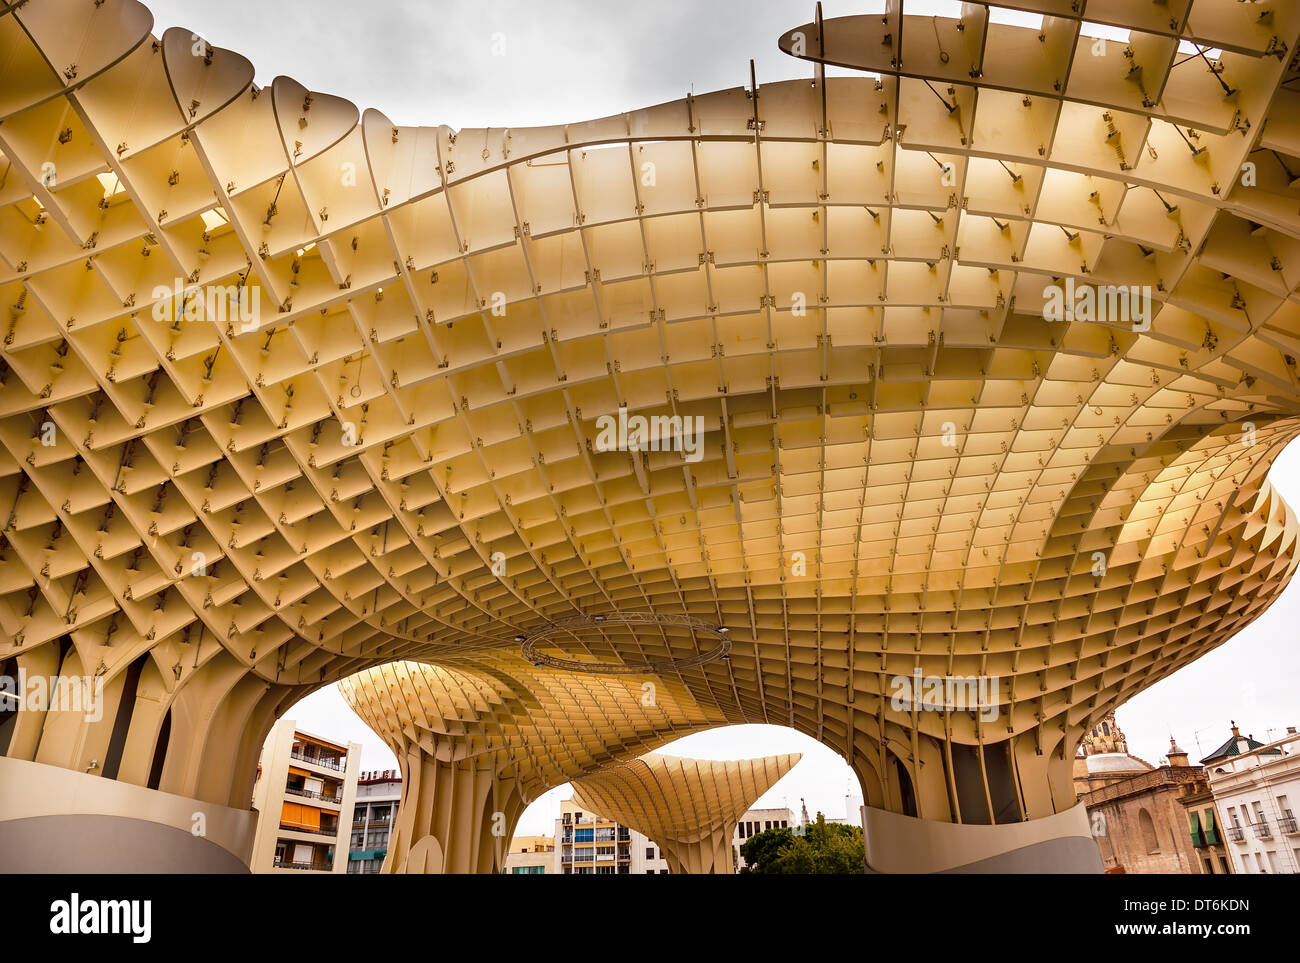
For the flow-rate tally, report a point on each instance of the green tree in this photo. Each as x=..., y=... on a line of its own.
x=763, y=850
x=823, y=849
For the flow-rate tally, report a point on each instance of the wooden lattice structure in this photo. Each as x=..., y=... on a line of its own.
x=288, y=391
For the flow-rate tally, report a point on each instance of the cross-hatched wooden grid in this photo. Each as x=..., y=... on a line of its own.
x=391, y=455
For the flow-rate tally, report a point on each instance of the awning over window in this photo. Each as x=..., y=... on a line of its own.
x=297, y=816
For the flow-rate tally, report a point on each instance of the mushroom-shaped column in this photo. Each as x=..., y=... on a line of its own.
x=476, y=747
x=690, y=807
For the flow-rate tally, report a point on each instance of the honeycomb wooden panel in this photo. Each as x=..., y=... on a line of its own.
x=289, y=392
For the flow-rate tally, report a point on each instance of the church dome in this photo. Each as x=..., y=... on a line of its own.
x=1112, y=762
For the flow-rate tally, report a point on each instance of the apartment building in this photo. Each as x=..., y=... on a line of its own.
x=304, y=794
x=589, y=844
x=530, y=856
x=1255, y=787
x=378, y=795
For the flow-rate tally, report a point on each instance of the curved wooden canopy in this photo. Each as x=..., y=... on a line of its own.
x=904, y=465
x=690, y=807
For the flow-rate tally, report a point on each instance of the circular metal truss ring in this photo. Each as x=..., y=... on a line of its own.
x=697, y=627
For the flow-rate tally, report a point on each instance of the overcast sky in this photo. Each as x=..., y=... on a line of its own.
x=501, y=63
x=521, y=63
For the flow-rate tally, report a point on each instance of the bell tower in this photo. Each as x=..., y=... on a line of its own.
x=1106, y=736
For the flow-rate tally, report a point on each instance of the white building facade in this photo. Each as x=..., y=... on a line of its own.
x=1256, y=791
x=757, y=821
x=305, y=790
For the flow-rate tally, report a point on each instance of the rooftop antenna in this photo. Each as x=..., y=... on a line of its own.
x=1197, y=736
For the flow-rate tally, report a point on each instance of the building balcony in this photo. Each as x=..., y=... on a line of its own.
x=1262, y=831
x=310, y=867
x=1287, y=824
x=329, y=833
x=323, y=761
x=1236, y=834
x=335, y=798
